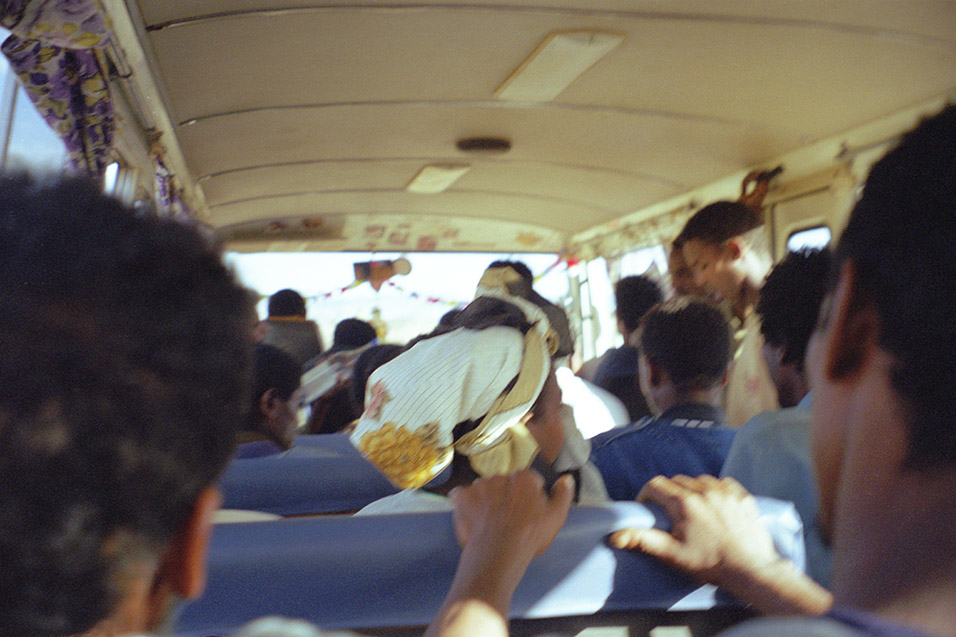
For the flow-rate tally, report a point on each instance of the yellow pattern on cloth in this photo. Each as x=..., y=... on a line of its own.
x=415, y=401
x=408, y=458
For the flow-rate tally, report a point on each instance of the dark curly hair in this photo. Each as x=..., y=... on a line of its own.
x=790, y=301
x=286, y=303
x=124, y=375
x=635, y=295
x=689, y=339
x=719, y=222
x=900, y=237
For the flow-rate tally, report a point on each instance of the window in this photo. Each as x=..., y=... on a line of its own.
x=817, y=237
x=409, y=305
x=26, y=141
x=652, y=261
x=8, y=89
x=33, y=144
x=110, y=177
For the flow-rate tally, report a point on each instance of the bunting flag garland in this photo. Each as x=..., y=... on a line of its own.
x=435, y=300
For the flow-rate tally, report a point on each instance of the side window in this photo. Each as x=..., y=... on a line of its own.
x=8, y=89
x=816, y=237
x=26, y=141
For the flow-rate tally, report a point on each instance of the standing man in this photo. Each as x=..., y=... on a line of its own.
x=724, y=245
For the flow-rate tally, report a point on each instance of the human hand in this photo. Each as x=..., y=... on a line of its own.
x=512, y=511
x=502, y=522
x=716, y=535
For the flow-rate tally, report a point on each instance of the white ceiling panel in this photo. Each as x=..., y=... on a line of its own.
x=286, y=109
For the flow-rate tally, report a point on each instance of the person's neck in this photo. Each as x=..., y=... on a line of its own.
x=671, y=396
x=792, y=389
x=262, y=435
x=139, y=609
x=743, y=306
x=902, y=565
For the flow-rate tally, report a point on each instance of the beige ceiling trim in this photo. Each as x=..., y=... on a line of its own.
x=402, y=191
x=483, y=160
x=492, y=104
x=803, y=23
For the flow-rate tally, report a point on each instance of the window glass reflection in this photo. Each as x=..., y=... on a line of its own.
x=33, y=144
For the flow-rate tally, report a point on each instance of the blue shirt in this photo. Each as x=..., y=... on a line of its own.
x=771, y=457
x=257, y=449
x=689, y=439
x=618, y=374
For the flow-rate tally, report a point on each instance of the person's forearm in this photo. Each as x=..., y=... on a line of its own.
x=779, y=588
x=480, y=594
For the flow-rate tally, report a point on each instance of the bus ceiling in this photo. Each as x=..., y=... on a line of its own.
x=591, y=126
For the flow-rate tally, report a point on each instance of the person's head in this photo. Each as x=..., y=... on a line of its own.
x=682, y=277
x=882, y=363
x=635, y=295
x=789, y=304
x=286, y=303
x=721, y=245
x=515, y=279
x=276, y=397
x=685, y=348
x=518, y=266
x=352, y=333
x=461, y=393
x=124, y=376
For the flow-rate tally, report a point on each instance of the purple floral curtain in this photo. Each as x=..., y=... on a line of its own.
x=56, y=51
x=168, y=196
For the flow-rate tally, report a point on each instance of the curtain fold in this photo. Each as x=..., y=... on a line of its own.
x=168, y=197
x=56, y=51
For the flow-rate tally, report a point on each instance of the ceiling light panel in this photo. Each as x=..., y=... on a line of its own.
x=560, y=59
x=435, y=178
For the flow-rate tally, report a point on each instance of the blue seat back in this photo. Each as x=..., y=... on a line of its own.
x=320, y=474
x=394, y=570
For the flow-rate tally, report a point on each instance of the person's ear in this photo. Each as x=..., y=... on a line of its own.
x=270, y=404
x=733, y=250
x=181, y=572
x=656, y=375
x=853, y=327
x=184, y=565
x=183, y=568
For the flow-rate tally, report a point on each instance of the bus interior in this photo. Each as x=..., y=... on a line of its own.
x=576, y=135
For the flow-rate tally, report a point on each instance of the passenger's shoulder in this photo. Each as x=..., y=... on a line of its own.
x=618, y=433
x=771, y=423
